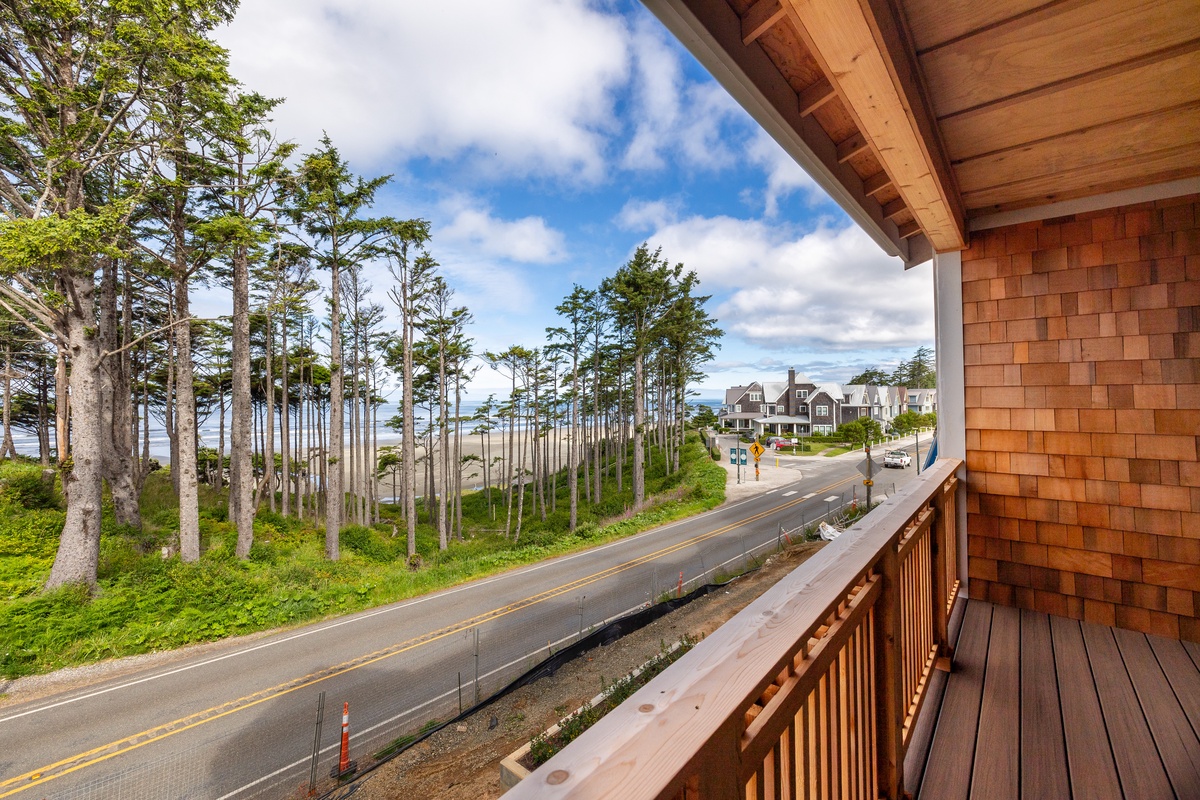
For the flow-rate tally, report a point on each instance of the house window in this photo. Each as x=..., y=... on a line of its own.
x=737, y=409
x=822, y=411
x=802, y=394
x=756, y=397
x=804, y=409
x=770, y=410
x=822, y=429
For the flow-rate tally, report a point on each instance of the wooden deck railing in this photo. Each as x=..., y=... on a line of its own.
x=811, y=691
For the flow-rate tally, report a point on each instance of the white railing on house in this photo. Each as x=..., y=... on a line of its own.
x=810, y=691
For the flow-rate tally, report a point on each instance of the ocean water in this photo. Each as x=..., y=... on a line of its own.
x=209, y=433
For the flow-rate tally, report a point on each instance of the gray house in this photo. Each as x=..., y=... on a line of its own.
x=800, y=406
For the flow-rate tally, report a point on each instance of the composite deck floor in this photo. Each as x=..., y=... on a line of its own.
x=1046, y=707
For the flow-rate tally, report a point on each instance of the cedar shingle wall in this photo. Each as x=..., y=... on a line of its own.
x=1082, y=349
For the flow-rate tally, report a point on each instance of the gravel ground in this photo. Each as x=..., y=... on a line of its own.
x=462, y=762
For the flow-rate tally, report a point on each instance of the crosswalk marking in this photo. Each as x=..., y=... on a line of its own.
x=810, y=494
x=831, y=498
x=789, y=494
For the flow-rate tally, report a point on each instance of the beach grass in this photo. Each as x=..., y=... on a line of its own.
x=144, y=602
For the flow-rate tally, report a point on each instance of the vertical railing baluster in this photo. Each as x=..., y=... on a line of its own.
x=888, y=688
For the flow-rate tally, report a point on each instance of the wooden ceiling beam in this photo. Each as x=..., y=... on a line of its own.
x=894, y=209
x=816, y=96
x=909, y=229
x=849, y=148
x=876, y=183
x=759, y=19
x=862, y=47
x=712, y=31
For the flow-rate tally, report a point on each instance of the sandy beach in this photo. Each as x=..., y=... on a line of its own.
x=494, y=445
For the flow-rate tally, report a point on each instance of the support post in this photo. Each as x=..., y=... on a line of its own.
x=951, y=387
x=316, y=753
x=943, y=531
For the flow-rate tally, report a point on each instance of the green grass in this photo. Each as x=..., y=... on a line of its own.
x=144, y=603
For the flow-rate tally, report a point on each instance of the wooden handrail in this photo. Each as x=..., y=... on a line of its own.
x=811, y=689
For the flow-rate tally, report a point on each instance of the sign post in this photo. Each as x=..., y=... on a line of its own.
x=869, y=482
x=756, y=450
x=867, y=468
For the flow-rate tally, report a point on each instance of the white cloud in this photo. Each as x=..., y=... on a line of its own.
x=674, y=118
x=831, y=288
x=784, y=175
x=646, y=215
x=529, y=239
x=523, y=86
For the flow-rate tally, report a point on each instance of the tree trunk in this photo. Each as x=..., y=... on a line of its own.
x=241, y=442
x=220, y=481
x=335, y=496
x=573, y=444
x=267, y=484
x=7, y=448
x=639, y=421
x=285, y=410
x=78, y=556
x=185, y=406
x=115, y=409
x=520, y=486
x=443, y=518
x=408, y=445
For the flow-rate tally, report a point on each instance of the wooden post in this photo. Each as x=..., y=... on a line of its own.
x=889, y=714
x=943, y=533
x=718, y=775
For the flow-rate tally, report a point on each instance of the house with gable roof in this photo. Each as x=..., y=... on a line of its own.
x=800, y=406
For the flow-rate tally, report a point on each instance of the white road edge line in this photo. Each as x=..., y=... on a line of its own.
x=402, y=714
x=361, y=616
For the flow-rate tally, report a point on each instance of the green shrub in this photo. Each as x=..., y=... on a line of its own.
x=368, y=544
x=26, y=485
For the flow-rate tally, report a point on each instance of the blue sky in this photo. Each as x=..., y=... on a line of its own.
x=545, y=139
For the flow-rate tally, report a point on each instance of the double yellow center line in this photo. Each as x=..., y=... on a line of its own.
x=58, y=769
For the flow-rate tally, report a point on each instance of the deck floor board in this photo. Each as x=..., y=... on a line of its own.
x=1173, y=735
x=1089, y=755
x=1043, y=744
x=996, y=771
x=954, y=738
x=1048, y=707
x=1183, y=675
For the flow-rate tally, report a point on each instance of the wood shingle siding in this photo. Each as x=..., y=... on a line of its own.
x=1082, y=364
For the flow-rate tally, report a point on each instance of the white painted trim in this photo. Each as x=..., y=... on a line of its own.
x=1096, y=202
x=951, y=383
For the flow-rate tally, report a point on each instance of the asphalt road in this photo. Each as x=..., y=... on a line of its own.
x=239, y=720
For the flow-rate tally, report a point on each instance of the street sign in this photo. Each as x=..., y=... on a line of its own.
x=756, y=450
x=868, y=482
x=735, y=452
x=873, y=468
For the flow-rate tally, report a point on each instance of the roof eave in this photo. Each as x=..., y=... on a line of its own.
x=712, y=32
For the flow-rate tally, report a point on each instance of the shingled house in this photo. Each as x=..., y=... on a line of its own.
x=800, y=406
x=1023, y=619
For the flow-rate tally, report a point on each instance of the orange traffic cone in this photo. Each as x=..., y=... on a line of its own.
x=345, y=765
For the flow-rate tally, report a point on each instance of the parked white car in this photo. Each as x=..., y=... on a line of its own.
x=897, y=458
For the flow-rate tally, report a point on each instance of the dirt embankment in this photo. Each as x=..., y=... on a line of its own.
x=462, y=762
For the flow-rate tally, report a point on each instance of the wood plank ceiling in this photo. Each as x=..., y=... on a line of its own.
x=948, y=110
